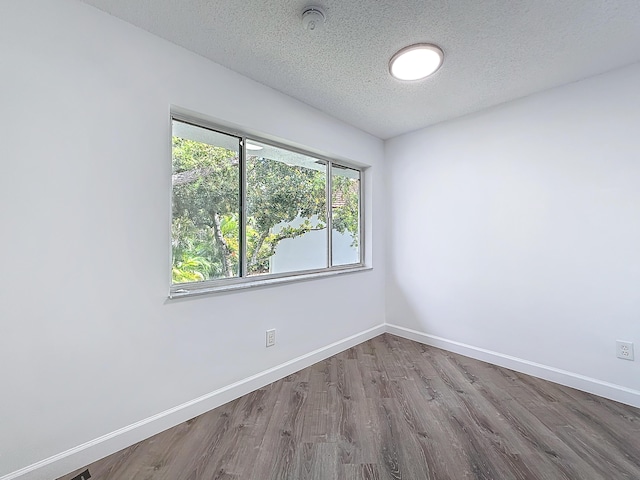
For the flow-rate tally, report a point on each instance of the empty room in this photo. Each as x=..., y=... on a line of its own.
x=320, y=240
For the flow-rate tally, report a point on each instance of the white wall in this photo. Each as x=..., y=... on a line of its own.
x=516, y=233
x=88, y=341
x=309, y=251
x=306, y=252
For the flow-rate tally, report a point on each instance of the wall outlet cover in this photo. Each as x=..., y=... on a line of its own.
x=624, y=350
x=271, y=337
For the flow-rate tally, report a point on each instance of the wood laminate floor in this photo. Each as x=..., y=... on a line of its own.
x=391, y=408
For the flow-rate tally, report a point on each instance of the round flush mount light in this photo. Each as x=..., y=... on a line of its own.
x=312, y=18
x=416, y=62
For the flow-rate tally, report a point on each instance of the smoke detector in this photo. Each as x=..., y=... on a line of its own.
x=312, y=18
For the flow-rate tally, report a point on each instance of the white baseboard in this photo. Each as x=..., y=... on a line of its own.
x=580, y=382
x=77, y=457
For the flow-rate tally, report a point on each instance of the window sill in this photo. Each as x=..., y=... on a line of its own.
x=194, y=290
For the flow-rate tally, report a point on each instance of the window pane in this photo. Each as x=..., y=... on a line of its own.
x=205, y=228
x=286, y=210
x=345, y=207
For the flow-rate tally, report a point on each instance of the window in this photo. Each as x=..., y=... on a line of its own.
x=246, y=211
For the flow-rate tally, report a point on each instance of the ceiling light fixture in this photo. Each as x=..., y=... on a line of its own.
x=251, y=146
x=416, y=62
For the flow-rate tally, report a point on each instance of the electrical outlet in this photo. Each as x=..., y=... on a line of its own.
x=271, y=337
x=624, y=350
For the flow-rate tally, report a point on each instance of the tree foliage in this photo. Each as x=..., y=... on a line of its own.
x=283, y=201
x=345, y=213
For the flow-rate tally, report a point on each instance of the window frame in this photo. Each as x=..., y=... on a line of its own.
x=243, y=281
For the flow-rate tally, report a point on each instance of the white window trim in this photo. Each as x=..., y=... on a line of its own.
x=188, y=289
x=260, y=281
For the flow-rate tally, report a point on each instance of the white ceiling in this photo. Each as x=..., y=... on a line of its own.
x=495, y=50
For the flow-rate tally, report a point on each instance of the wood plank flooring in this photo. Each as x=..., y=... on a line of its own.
x=391, y=408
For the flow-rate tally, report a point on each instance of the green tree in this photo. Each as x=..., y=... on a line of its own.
x=278, y=193
x=345, y=215
x=206, y=198
x=206, y=209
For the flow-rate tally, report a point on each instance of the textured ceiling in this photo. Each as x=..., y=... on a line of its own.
x=495, y=50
